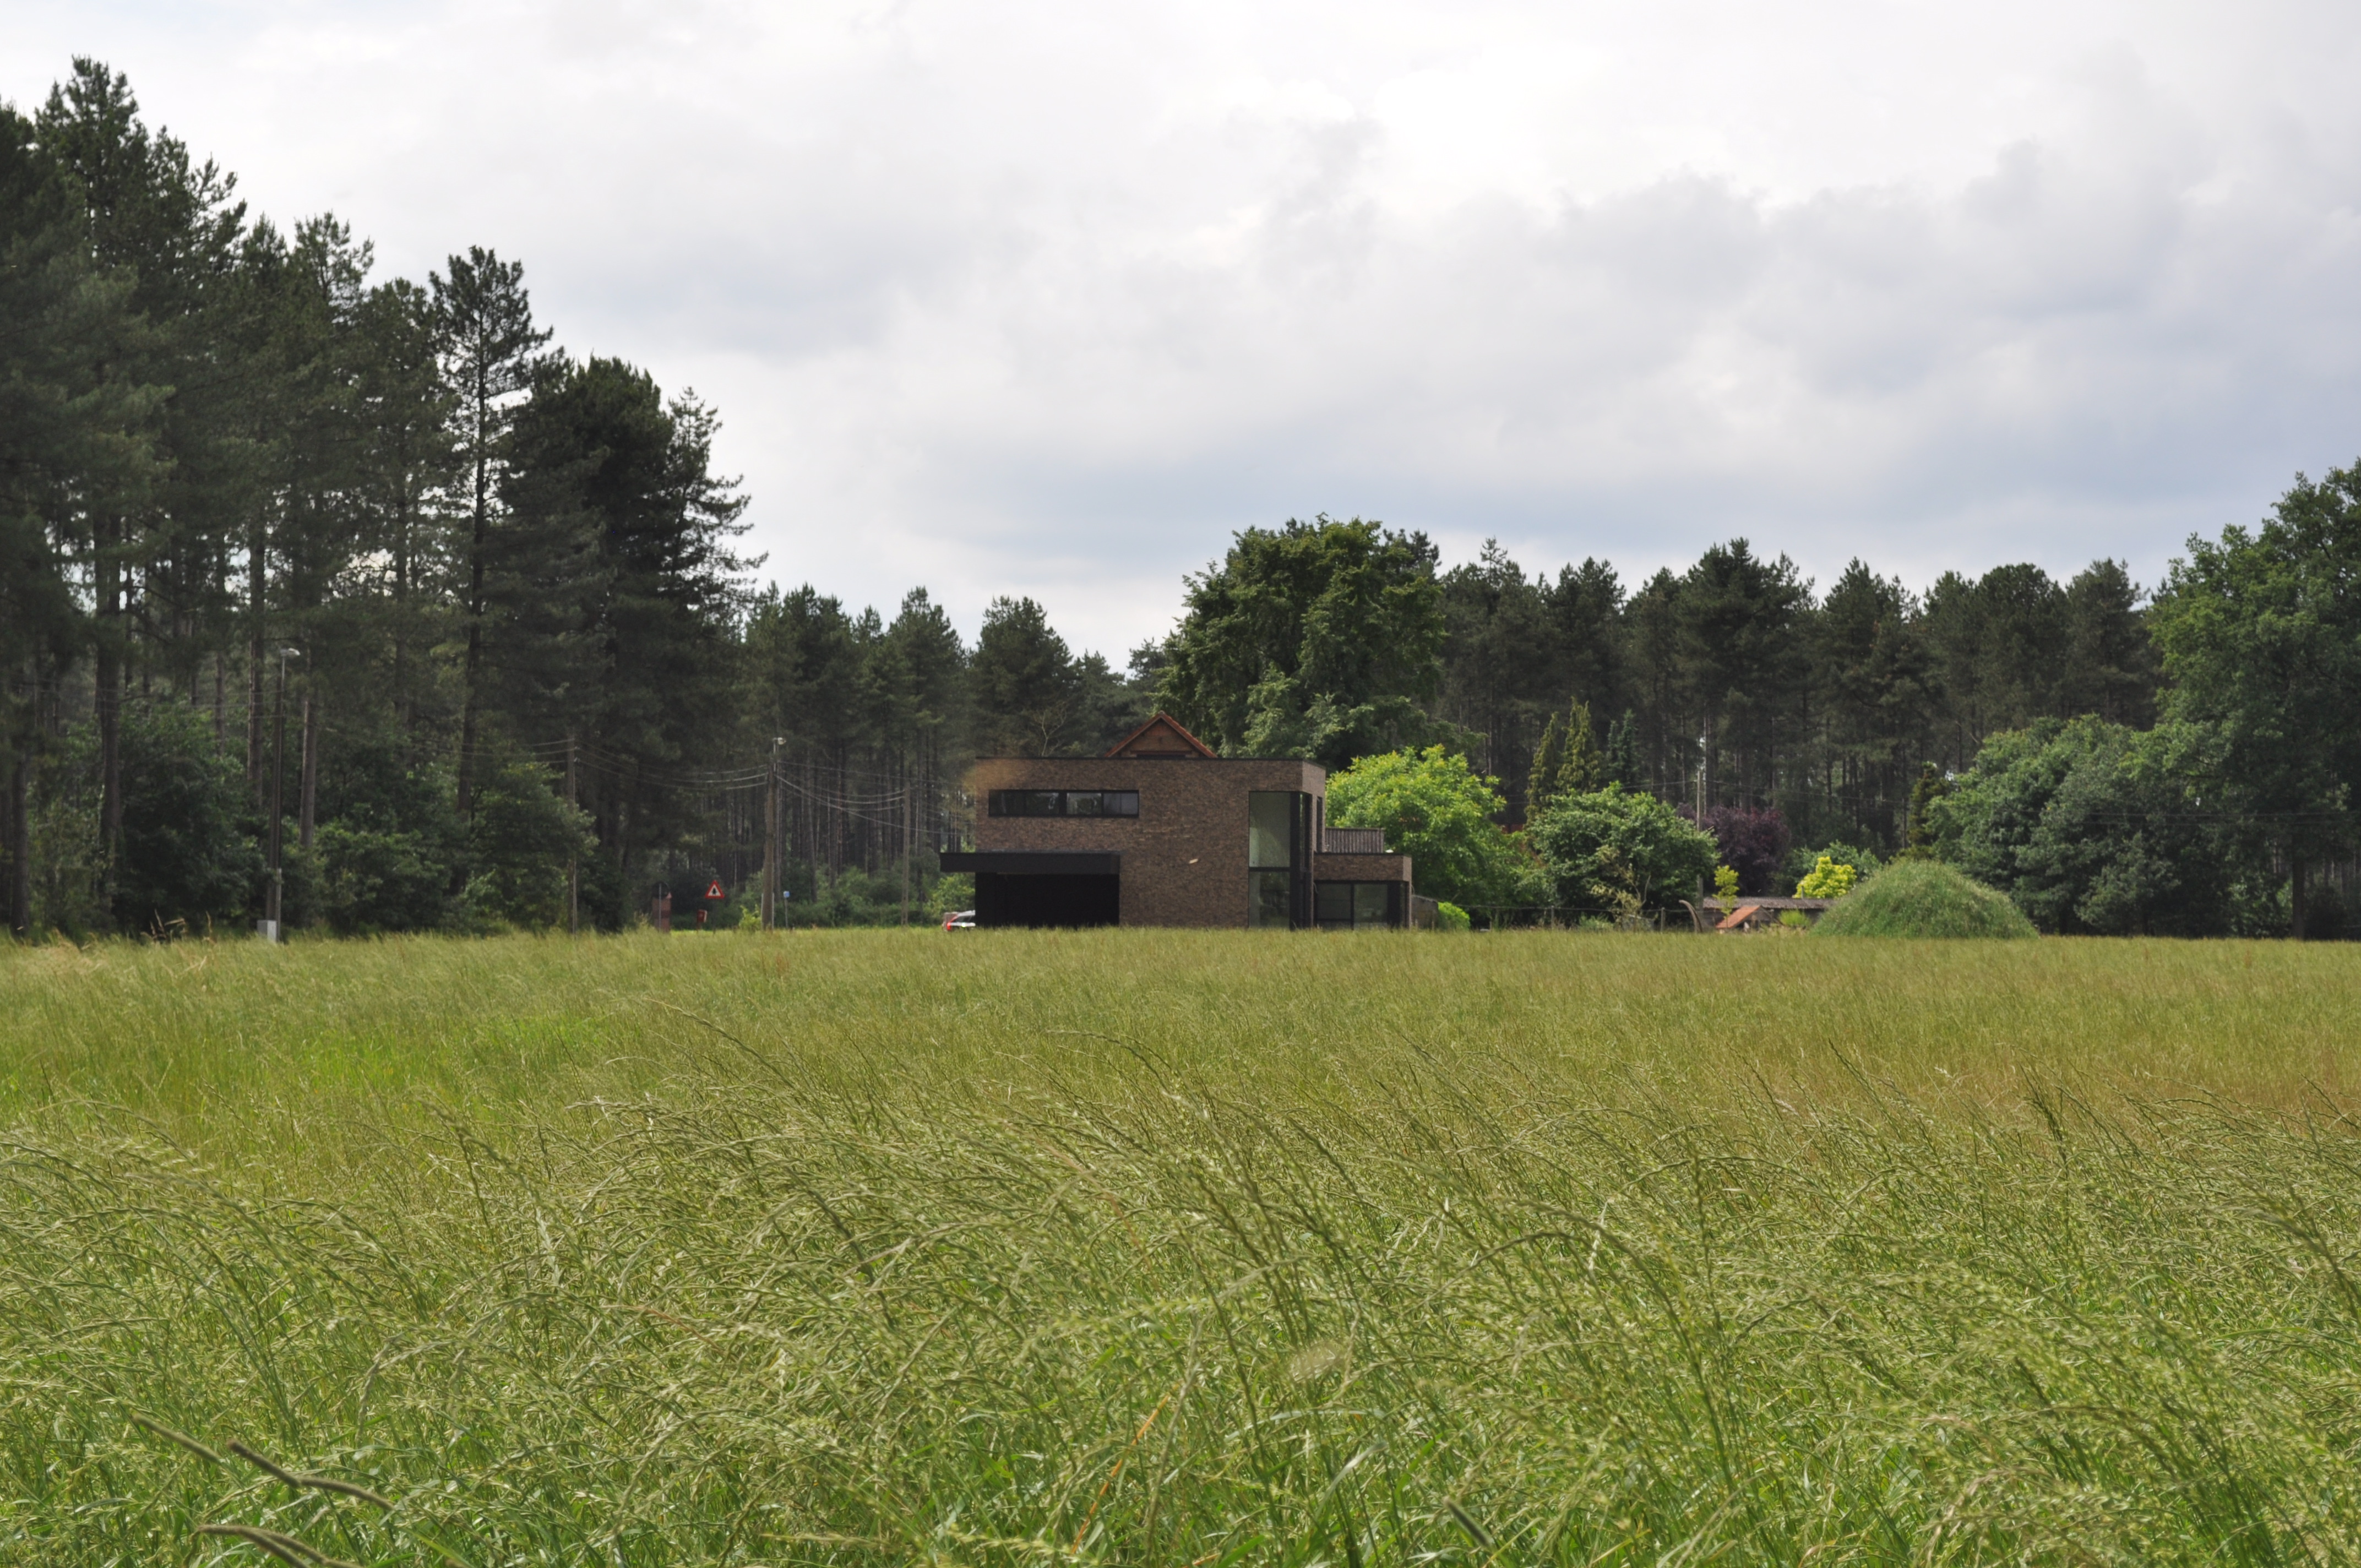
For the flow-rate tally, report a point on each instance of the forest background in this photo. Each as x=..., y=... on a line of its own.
x=369, y=580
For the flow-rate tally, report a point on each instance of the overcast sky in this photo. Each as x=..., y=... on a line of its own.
x=1049, y=299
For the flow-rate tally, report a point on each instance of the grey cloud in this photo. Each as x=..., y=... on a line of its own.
x=1050, y=300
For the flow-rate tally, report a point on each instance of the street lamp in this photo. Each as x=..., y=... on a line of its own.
x=272, y=930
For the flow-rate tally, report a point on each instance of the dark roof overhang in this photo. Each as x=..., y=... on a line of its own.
x=1036, y=863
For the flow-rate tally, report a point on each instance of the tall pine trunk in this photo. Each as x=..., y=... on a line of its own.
x=466, y=795
x=20, y=835
x=256, y=567
x=402, y=610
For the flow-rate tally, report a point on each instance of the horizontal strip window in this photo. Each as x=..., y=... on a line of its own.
x=1065, y=803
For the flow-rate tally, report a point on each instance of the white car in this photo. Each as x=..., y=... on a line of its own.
x=960, y=920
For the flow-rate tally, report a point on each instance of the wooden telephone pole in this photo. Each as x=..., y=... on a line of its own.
x=573, y=856
x=774, y=873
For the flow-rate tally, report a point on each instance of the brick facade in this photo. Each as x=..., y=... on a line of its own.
x=1184, y=856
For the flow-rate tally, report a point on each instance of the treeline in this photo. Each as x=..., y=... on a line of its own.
x=1733, y=684
x=1728, y=685
x=371, y=560
x=2186, y=763
x=367, y=581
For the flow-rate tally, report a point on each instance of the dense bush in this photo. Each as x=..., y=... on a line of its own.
x=520, y=840
x=1924, y=898
x=389, y=839
x=1802, y=861
x=1437, y=810
x=375, y=880
x=2096, y=827
x=1621, y=850
x=1753, y=843
x=189, y=830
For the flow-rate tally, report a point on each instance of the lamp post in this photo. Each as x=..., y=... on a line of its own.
x=272, y=929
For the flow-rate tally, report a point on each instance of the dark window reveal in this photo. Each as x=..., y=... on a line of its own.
x=1065, y=803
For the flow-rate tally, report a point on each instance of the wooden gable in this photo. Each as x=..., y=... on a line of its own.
x=1161, y=736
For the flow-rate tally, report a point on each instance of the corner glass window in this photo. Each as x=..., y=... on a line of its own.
x=1270, y=829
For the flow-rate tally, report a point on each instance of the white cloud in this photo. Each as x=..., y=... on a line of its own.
x=1050, y=298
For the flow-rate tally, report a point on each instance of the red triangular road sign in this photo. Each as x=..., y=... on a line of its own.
x=713, y=890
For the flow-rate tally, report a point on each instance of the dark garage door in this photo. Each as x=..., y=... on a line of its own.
x=1008, y=898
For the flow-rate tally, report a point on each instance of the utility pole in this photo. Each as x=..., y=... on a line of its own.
x=574, y=855
x=272, y=927
x=307, y=793
x=909, y=825
x=775, y=875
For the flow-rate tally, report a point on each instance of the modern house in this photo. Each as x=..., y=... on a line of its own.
x=1161, y=831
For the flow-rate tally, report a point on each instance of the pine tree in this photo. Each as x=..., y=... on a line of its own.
x=1583, y=770
x=1549, y=760
x=1620, y=763
x=1026, y=688
x=1931, y=787
x=483, y=321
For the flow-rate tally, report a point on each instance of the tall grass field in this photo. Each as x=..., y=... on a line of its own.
x=1179, y=1248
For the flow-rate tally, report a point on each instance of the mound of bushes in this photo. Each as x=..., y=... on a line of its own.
x=1924, y=898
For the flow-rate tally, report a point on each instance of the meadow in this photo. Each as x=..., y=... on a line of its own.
x=1145, y=1247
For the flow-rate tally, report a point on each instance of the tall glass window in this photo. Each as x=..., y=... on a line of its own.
x=1270, y=829
x=1270, y=857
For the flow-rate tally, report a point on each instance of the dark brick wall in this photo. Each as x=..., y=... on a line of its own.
x=1360, y=868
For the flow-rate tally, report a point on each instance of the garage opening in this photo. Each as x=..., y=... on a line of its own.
x=1012, y=898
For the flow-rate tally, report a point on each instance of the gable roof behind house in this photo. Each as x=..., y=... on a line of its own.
x=1161, y=736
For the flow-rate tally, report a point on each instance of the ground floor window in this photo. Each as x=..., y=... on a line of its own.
x=1271, y=904
x=1358, y=906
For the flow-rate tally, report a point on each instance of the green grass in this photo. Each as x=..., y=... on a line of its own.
x=1924, y=898
x=1179, y=1248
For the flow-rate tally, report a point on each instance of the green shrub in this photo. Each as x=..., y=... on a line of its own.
x=1621, y=849
x=1449, y=916
x=1829, y=878
x=1802, y=861
x=1924, y=898
x=373, y=880
x=1436, y=809
x=2098, y=828
x=189, y=851
x=521, y=838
